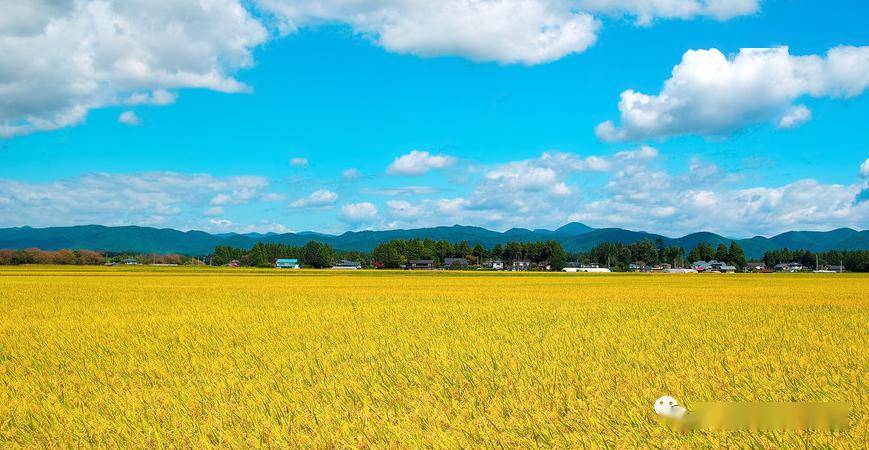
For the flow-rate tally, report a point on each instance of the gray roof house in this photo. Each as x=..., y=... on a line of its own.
x=453, y=262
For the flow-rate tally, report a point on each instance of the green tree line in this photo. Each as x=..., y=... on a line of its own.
x=395, y=253
x=313, y=254
x=853, y=260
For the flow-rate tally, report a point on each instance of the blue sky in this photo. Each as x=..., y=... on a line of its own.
x=283, y=116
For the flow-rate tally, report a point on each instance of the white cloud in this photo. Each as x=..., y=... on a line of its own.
x=657, y=201
x=152, y=198
x=864, y=169
x=214, y=211
x=404, y=190
x=506, y=31
x=351, y=173
x=639, y=193
x=709, y=94
x=418, y=163
x=794, y=117
x=405, y=210
x=517, y=193
x=58, y=60
x=61, y=59
x=129, y=118
x=358, y=213
x=561, y=189
x=522, y=177
x=318, y=199
x=299, y=162
x=158, y=97
x=648, y=10
x=226, y=225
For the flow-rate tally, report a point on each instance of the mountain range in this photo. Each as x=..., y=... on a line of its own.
x=573, y=236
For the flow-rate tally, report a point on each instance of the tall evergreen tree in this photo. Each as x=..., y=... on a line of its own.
x=736, y=256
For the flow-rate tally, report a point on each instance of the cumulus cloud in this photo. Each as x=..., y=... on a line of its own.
x=655, y=200
x=318, y=199
x=299, y=162
x=351, y=173
x=518, y=193
x=710, y=94
x=405, y=210
x=61, y=59
x=153, y=198
x=506, y=31
x=639, y=192
x=214, y=211
x=647, y=10
x=58, y=60
x=403, y=190
x=157, y=97
x=418, y=163
x=263, y=226
x=356, y=214
x=794, y=117
x=804, y=204
x=129, y=118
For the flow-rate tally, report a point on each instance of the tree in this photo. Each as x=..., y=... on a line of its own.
x=463, y=249
x=555, y=254
x=721, y=253
x=317, y=255
x=659, y=244
x=479, y=252
x=673, y=255
x=644, y=251
x=259, y=256
x=736, y=256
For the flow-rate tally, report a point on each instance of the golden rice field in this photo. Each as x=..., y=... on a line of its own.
x=114, y=357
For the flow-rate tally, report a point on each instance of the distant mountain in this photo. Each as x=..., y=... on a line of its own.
x=573, y=229
x=574, y=237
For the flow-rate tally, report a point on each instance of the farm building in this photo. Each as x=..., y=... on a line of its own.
x=521, y=264
x=420, y=264
x=638, y=266
x=755, y=266
x=494, y=264
x=712, y=266
x=788, y=267
x=287, y=264
x=455, y=262
x=347, y=265
x=585, y=269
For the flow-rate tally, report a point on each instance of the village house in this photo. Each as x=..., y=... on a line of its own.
x=345, y=264
x=712, y=266
x=638, y=266
x=788, y=267
x=459, y=263
x=494, y=264
x=574, y=267
x=521, y=264
x=661, y=267
x=420, y=264
x=755, y=266
x=718, y=266
x=287, y=264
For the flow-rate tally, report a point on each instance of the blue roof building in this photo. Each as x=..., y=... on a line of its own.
x=287, y=264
